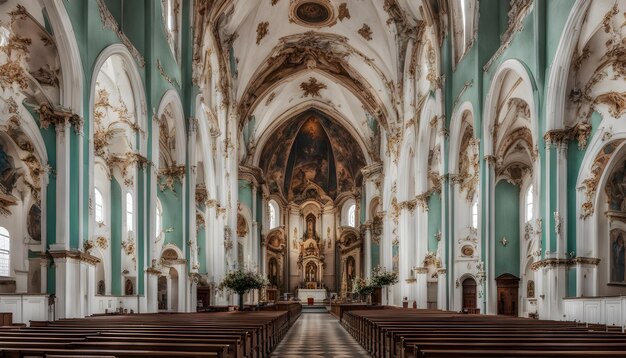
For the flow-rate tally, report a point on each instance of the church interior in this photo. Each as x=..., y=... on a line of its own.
x=369, y=162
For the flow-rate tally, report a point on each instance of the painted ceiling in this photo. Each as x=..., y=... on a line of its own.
x=311, y=151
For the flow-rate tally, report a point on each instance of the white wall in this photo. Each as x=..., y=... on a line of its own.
x=603, y=310
x=25, y=307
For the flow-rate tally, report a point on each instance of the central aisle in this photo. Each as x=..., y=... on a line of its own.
x=318, y=335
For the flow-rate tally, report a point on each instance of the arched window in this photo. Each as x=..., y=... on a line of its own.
x=272, y=209
x=5, y=250
x=475, y=214
x=99, y=206
x=158, y=219
x=171, y=10
x=130, y=217
x=529, y=203
x=352, y=215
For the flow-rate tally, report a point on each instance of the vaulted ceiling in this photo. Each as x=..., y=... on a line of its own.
x=345, y=60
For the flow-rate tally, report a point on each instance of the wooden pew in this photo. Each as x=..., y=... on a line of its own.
x=432, y=333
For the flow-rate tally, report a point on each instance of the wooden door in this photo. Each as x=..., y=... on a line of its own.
x=508, y=300
x=204, y=297
x=469, y=294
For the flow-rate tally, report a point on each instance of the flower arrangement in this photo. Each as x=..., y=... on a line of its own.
x=242, y=281
x=362, y=287
x=381, y=277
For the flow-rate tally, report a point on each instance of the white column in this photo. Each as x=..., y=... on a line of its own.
x=490, y=298
x=442, y=288
x=152, y=290
x=62, y=188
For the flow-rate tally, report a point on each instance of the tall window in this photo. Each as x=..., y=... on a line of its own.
x=129, y=212
x=99, y=206
x=171, y=9
x=273, y=214
x=352, y=215
x=158, y=220
x=529, y=203
x=5, y=249
x=475, y=214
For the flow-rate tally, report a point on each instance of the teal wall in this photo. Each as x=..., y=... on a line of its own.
x=507, y=258
x=171, y=201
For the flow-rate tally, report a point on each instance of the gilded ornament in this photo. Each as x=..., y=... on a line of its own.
x=366, y=32
x=261, y=31
x=343, y=12
x=312, y=87
x=616, y=102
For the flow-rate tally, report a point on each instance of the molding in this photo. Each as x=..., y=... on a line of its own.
x=564, y=263
x=76, y=255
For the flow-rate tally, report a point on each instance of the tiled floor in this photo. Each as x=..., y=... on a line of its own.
x=318, y=335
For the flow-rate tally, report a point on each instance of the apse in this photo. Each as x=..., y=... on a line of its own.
x=312, y=157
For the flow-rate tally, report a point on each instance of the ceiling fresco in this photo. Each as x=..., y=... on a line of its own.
x=311, y=151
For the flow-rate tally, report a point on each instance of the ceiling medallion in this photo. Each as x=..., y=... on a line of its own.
x=312, y=13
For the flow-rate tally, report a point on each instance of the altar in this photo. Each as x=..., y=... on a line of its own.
x=318, y=295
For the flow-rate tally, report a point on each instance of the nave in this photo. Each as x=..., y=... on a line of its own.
x=318, y=335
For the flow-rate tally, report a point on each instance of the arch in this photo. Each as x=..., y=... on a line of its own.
x=171, y=97
x=491, y=102
x=406, y=170
x=69, y=55
x=170, y=246
x=275, y=221
x=559, y=70
x=137, y=88
x=430, y=108
x=456, y=133
x=267, y=132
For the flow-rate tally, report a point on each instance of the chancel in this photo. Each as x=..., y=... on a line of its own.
x=397, y=178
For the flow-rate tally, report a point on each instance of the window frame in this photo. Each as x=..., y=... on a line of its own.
x=474, y=213
x=130, y=212
x=351, y=215
x=98, y=194
x=529, y=201
x=5, y=235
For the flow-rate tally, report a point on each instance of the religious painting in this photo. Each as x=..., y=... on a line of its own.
x=8, y=173
x=350, y=271
x=128, y=287
x=311, y=149
x=33, y=222
x=616, y=189
x=530, y=289
x=311, y=272
x=273, y=272
x=101, y=288
x=617, y=262
x=309, y=161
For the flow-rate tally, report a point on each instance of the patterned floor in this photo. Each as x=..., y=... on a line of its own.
x=318, y=335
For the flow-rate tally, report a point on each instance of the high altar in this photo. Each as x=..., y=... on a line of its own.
x=311, y=264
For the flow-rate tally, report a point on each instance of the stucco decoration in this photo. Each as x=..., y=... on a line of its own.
x=312, y=87
x=599, y=67
x=591, y=182
x=468, y=176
